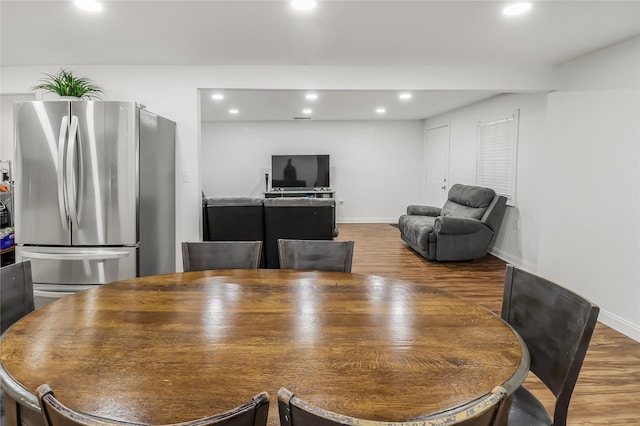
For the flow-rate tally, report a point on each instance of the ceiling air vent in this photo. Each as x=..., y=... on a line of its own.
x=302, y=118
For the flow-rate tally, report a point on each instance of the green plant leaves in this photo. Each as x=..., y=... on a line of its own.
x=65, y=83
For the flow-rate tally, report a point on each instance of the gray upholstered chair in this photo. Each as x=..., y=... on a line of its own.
x=463, y=229
x=482, y=412
x=16, y=299
x=54, y=413
x=199, y=256
x=556, y=325
x=319, y=255
x=16, y=293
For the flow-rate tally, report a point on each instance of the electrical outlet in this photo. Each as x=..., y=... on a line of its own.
x=516, y=224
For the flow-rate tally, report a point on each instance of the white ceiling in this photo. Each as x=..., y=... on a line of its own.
x=378, y=33
x=337, y=33
x=272, y=105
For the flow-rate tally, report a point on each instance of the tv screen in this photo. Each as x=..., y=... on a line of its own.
x=300, y=171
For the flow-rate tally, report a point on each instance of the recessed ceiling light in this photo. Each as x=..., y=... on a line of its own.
x=89, y=5
x=217, y=96
x=234, y=111
x=303, y=4
x=517, y=9
x=380, y=110
x=405, y=96
x=307, y=111
x=311, y=96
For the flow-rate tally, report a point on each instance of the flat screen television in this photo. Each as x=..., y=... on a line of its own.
x=300, y=171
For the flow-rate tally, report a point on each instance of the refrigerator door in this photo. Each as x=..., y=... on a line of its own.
x=41, y=130
x=72, y=266
x=102, y=173
x=157, y=194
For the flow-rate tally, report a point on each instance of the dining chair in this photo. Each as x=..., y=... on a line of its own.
x=319, y=255
x=481, y=412
x=54, y=413
x=556, y=325
x=16, y=300
x=199, y=256
x=16, y=293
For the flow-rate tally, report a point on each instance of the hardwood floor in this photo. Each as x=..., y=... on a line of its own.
x=608, y=389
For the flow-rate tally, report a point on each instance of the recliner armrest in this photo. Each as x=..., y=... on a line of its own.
x=451, y=225
x=423, y=210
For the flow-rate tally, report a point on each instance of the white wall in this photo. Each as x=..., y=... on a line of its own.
x=371, y=161
x=590, y=237
x=517, y=240
x=578, y=180
x=6, y=113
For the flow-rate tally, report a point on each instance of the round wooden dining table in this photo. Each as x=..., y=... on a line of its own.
x=171, y=348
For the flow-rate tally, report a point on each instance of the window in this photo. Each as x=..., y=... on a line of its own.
x=496, y=162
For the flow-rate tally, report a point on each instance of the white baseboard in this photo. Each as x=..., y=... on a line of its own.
x=621, y=325
x=514, y=260
x=367, y=220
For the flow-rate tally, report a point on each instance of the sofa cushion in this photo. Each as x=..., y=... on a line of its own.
x=234, y=201
x=418, y=229
x=467, y=201
x=457, y=210
x=471, y=196
x=299, y=202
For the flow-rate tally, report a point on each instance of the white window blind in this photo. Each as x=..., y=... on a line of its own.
x=496, y=162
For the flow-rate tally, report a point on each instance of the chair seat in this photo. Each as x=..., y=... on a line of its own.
x=526, y=410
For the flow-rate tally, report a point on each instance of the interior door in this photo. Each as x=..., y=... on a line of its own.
x=436, y=163
x=105, y=173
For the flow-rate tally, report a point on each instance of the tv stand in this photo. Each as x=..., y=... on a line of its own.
x=295, y=192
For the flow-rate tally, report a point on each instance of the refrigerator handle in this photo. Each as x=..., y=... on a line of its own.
x=74, y=255
x=62, y=188
x=71, y=178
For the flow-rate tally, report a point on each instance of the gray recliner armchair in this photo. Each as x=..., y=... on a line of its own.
x=463, y=229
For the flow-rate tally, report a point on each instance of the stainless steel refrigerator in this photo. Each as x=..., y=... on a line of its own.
x=94, y=193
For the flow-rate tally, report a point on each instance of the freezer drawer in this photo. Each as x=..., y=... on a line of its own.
x=79, y=266
x=43, y=294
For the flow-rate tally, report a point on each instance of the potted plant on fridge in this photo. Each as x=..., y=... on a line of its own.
x=66, y=84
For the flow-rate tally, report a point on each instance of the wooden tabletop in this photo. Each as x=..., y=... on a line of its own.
x=171, y=348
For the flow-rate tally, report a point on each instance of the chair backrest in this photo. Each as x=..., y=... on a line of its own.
x=494, y=214
x=54, y=413
x=482, y=412
x=234, y=219
x=199, y=256
x=16, y=293
x=556, y=325
x=319, y=255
